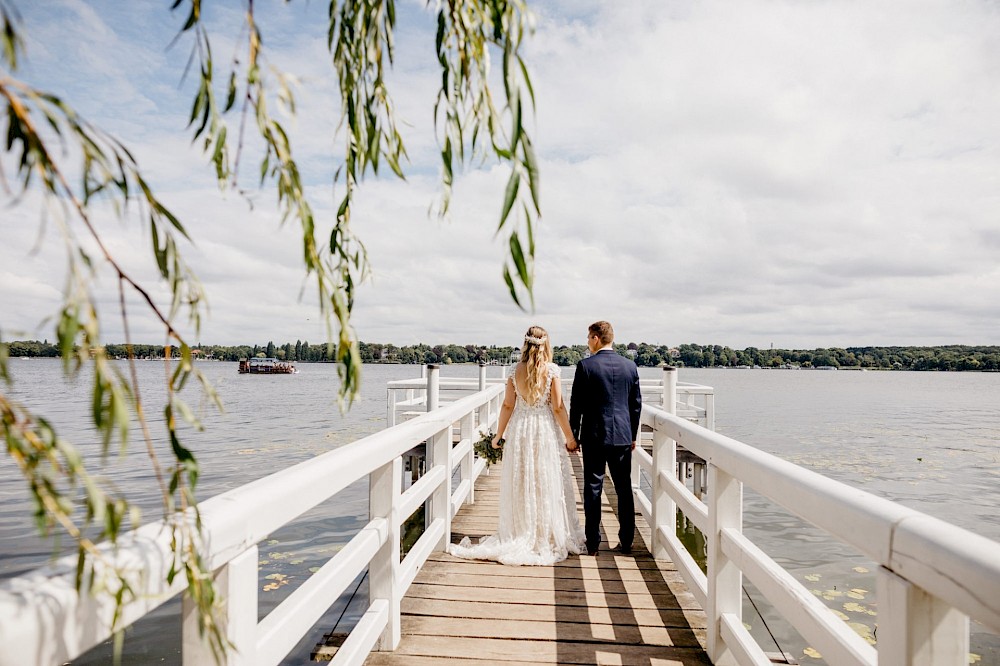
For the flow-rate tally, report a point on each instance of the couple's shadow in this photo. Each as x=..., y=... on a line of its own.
x=623, y=609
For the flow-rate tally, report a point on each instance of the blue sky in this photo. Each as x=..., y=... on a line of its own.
x=798, y=173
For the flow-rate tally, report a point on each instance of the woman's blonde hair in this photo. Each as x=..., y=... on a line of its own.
x=536, y=355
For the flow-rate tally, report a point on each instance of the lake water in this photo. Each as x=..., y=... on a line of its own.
x=930, y=441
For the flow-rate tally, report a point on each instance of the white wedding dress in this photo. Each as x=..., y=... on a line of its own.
x=538, y=520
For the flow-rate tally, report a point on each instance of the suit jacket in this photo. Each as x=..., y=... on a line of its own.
x=605, y=404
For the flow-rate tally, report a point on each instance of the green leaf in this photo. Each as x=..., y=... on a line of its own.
x=517, y=254
x=509, y=196
x=531, y=164
x=510, y=286
x=527, y=81
x=446, y=160
x=200, y=101
x=531, y=234
x=231, y=96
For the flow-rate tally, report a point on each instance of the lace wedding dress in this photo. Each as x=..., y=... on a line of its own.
x=538, y=520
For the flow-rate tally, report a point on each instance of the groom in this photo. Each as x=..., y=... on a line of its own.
x=604, y=414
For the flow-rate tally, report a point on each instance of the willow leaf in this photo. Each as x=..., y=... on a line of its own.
x=510, y=286
x=531, y=164
x=509, y=197
x=517, y=254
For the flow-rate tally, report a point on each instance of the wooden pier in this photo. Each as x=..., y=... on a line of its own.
x=608, y=609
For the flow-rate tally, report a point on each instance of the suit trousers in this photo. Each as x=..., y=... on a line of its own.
x=618, y=460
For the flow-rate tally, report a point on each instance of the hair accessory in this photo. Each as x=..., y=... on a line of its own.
x=535, y=341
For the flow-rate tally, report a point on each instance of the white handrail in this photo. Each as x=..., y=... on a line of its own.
x=932, y=576
x=50, y=623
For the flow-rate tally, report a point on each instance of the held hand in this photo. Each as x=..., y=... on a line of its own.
x=633, y=445
x=571, y=445
x=497, y=441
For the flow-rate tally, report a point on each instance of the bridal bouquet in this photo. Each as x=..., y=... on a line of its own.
x=484, y=448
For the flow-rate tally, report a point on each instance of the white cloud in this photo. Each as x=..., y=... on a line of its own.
x=808, y=174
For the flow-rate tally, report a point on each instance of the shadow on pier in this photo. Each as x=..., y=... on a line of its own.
x=609, y=609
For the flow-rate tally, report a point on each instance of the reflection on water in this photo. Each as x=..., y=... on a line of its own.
x=927, y=440
x=693, y=540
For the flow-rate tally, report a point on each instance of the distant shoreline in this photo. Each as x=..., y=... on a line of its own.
x=948, y=358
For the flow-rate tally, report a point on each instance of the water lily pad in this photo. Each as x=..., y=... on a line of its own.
x=854, y=607
x=272, y=542
x=974, y=658
x=861, y=569
x=855, y=595
x=812, y=578
x=276, y=576
x=862, y=630
x=811, y=652
x=842, y=616
x=313, y=569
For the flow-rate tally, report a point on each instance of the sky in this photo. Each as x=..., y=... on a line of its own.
x=799, y=174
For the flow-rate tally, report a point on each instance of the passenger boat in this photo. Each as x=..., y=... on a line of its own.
x=266, y=366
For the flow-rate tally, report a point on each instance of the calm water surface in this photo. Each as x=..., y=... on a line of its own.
x=928, y=440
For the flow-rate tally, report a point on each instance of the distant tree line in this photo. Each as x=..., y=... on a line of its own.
x=949, y=358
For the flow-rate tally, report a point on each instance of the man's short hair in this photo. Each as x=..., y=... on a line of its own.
x=603, y=331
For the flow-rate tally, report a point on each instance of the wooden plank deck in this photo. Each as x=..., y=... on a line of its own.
x=609, y=609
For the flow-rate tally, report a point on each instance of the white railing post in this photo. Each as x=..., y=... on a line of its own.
x=236, y=585
x=469, y=459
x=482, y=376
x=725, y=580
x=439, y=503
x=384, y=487
x=916, y=628
x=636, y=473
x=710, y=411
x=439, y=453
x=669, y=398
x=433, y=387
x=664, y=459
x=391, y=408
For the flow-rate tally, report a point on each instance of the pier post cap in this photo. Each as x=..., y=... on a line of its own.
x=669, y=368
x=433, y=366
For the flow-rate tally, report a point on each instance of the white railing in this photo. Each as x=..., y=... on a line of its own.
x=694, y=402
x=407, y=398
x=44, y=621
x=932, y=576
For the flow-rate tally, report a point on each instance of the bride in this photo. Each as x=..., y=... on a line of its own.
x=538, y=520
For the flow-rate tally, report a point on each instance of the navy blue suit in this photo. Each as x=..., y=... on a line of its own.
x=605, y=406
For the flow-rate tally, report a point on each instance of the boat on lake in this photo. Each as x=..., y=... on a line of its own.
x=266, y=366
